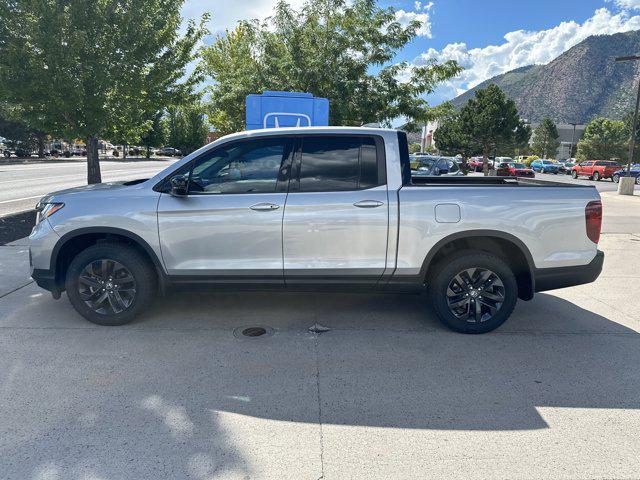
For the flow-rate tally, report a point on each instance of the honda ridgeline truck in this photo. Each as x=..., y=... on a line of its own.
x=312, y=208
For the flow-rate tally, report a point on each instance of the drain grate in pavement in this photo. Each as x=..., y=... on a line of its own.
x=253, y=331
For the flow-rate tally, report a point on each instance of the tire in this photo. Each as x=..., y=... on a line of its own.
x=574, y=174
x=445, y=276
x=134, y=295
x=596, y=176
x=638, y=180
x=542, y=170
x=615, y=179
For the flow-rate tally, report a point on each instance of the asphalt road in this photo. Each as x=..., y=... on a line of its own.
x=602, y=186
x=22, y=185
x=386, y=393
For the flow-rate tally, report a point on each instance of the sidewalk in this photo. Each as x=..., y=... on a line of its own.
x=621, y=213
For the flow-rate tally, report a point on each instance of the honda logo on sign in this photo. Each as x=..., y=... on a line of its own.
x=284, y=119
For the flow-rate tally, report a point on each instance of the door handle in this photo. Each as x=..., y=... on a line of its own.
x=368, y=204
x=264, y=207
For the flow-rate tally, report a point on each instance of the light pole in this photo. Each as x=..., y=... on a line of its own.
x=626, y=187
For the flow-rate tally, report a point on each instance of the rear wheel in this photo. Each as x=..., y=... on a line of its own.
x=110, y=284
x=596, y=176
x=474, y=292
x=638, y=180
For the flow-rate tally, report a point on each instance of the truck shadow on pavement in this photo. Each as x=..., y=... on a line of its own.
x=387, y=361
x=176, y=394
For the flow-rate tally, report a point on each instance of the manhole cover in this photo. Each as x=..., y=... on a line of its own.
x=253, y=331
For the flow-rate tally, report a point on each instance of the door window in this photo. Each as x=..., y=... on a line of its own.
x=251, y=166
x=339, y=163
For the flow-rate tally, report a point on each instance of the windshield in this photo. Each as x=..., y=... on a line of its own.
x=547, y=162
x=519, y=166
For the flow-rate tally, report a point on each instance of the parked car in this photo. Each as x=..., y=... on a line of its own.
x=434, y=166
x=475, y=164
x=513, y=169
x=595, y=169
x=170, y=152
x=315, y=207
x=568, y=167
x=545, y=166
x=635, y=172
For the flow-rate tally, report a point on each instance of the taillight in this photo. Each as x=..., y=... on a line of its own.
x=593, y=218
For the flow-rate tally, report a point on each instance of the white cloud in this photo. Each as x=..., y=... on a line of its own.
x=628, y=4
x=224, y=16
x=521, y=48
x=421, y=14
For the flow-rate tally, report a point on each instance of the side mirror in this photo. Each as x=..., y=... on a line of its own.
x=179, y=187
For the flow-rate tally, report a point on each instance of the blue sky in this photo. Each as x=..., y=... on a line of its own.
x=486, y=37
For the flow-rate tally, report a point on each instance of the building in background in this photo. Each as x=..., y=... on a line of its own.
x=565, y=136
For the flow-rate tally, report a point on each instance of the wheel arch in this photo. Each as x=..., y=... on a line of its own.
x=504, y=245
x=72, y=243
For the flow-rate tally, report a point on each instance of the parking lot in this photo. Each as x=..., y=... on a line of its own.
x=386, y=393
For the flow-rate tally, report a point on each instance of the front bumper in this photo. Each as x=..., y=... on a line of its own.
x=45, y=279
x=561, y=277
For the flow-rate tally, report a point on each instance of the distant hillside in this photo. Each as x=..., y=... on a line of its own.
x=583, y=83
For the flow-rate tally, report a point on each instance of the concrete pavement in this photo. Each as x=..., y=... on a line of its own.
x=387, y=393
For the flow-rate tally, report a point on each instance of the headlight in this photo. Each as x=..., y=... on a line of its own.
x=45, y=210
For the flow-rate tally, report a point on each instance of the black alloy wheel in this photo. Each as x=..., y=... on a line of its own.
x=107, y=287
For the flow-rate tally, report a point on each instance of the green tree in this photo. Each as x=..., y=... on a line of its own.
x=518, y=144
x=545, y=139
x=187, y=127
x=491, y=120
x=86, y=69
x=331, y=48
x=451, y=139
x=604, y=139
x=155, y=135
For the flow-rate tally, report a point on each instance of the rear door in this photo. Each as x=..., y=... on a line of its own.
x=336, y=219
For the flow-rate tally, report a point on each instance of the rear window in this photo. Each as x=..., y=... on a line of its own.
x=606, y=164
x=339, y=163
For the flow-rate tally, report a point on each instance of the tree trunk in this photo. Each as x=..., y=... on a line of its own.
x=41, y=146
x=148, y=151
x=93, y=160
x=124, y=151
x=485, y=161
x=465, y=165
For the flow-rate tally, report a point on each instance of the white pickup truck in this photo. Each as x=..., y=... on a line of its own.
x=313, y=208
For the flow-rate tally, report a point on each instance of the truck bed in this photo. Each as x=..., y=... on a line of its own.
x=477, y=181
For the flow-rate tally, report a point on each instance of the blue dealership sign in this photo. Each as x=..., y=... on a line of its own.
x=286, y=109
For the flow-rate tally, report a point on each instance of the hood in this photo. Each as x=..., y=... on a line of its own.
x=83, y=190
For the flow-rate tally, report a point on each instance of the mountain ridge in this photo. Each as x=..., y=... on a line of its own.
x=567, y=90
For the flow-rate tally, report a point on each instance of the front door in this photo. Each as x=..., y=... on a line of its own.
x=229, y=227
x=336, y=218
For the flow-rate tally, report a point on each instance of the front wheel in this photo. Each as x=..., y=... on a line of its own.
x=638, y=180
x=596, y=176
x=574, y=174
x=473, y=293
x=110, y=284
x=616, y=178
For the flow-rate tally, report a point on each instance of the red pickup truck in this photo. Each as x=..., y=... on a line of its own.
x=595, y=169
